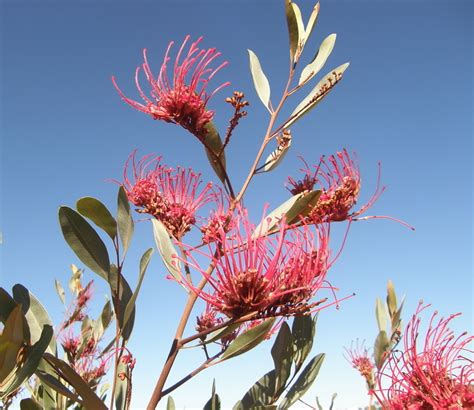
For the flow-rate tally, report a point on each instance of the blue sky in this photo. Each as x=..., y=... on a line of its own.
x=406, y=101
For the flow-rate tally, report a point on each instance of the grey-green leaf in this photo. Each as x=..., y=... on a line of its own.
x=380, y=315
x=276, y=157
x=249, y=339
x=144, y=261
x=303, y=331
x=84, y=241
x=304, y=381
x=282, y=354
x=60, y=291
x=292, y=23
x=381, y=347
x=170, y=404
x=313, y=68
x=214, y=403
x=312, y=21
x=326, y=84
x=98, y=213
x=166, y=249
x=215, y=153
x=260, y=81
x=35, y=313
x=124, y=219
x=90, y=399
x=121, y=302
x=260, y=394
x=391, y=298
x=30, y=404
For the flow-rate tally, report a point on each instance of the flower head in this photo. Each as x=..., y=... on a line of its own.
x=220, y=219
x=170, y=195
x=264, y=275
x=183, y=98
x=359, y=358
x=439, y=375
x=340, y=181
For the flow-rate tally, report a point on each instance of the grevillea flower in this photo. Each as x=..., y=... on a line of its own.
x=172, y=196
x=358, y=357
x=220, y=219
x=340, y=181
x=439, y=374
x=265, y=275
x=183, y=98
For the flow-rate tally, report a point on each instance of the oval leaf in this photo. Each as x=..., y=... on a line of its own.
x=260, y=394
x=303, y=331
x=313, y=68
x=166, y=249
x=249, y=339
x=304, y=381
x=326, y=84
x=124, y=219
x=282, y=354
x=276, y=157
x=260, y=81
x=381, y=348
x=144, y=261
x=214, y=152
x=84, y=241
x=380, y=315
x=98, y=213
x=292, y=24
x=35, y=314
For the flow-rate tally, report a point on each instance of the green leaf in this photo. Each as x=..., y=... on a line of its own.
x=326, y=84
x=391, y=299
x=7, y=304
x=248, y=340
x=102, y=323
x=30, y=404
x=144, y=261
x=98, y=213
x=312, y=21
x=12, y=339
x=54, y=383
x=121, y=388
x=84, y=241
x=303, y=331
x=121, y=302
x=60, y=291
x=166, y=249
x=90, y=399
x=380, y=315
x=35, y=314
x=34, y=355
x=294, y=208
x=381, y=348
x=292, y=28
x=170, y=404
x=304, y=381
x=260, y=81
x=275, y=158
x=214, y=402
x=282, y=354
x=260, y=394
x=219, y=334
x=214, y=152
x=396, y=319
x=313, y=68
x=124, y=219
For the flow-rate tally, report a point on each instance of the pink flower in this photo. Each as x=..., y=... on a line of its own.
x=221, y=218
x=170, y=195
x=360, y=360
x=265, y=275
x=439, y=374
x=339, y=176
x=183, y=100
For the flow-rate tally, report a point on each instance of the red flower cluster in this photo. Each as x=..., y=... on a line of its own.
x=339, y=176
x=440, y=375
x=170, y=195
x=266, y=275
x=358, y=356
x=183, y=100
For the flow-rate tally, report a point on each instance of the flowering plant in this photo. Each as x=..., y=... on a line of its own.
x=254, y=279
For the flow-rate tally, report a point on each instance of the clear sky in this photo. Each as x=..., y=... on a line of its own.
x=406, y=101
